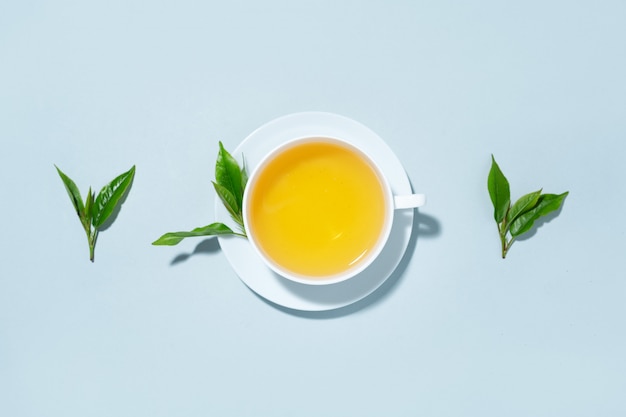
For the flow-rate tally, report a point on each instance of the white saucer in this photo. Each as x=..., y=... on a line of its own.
x=271, y=286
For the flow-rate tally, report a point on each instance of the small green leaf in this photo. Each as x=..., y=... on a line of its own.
x=546, y=204
x=523, y=223
x=519, y=218
x=550, y=202
x=89, y=208
x=244, y=176
x=109, y=197
x=173, y=238
x=228, y=175
x=522, y=205
x=230, y=182
x=95, y=210
x=74, y=193
x=229, y=201
x=499, y=191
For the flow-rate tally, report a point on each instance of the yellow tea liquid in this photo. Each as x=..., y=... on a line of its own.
x=317, y=208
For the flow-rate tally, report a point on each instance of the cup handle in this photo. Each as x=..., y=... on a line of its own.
x=409, y=201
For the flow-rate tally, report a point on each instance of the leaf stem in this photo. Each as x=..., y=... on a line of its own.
x=507, y=247
x=93, y=244
x=502, y=234
x=92, y=236
x=502, y=230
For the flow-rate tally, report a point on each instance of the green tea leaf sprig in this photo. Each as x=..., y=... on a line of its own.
x=517, y=219
x=230, y=183
x=97, y=209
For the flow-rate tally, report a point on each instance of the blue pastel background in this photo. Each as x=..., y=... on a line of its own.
x=96, y=87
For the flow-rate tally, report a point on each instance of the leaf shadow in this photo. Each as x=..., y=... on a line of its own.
x=206, y=247
x=116, y=211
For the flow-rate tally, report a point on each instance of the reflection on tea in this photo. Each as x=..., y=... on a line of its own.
x=317, y=208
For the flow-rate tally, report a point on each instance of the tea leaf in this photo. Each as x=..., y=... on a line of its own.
x=547, y=203
x=89, y=207
x=521, y=206
x=109, y=197
x=523, y=223
x=244, y=177
x=550, y=202
x=95, y=210
x=74, y=193
x=173, y=238
x=499, y=191
x=230, y=182
x=229, y=201
x=517, y=219
x=228, y=175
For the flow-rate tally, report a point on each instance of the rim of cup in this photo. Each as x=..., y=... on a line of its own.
x=362, y=263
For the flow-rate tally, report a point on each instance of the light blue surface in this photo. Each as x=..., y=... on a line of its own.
x=96, y=87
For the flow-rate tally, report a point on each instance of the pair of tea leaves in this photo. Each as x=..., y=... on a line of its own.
x=96, y=210
x=230, y=183
x=517, y=219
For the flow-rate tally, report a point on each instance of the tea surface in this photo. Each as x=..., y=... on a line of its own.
x=317, y=208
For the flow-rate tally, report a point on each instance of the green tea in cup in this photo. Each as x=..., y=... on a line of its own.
x=318, y=210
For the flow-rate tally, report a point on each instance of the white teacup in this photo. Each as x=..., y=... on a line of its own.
x=318, y=210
